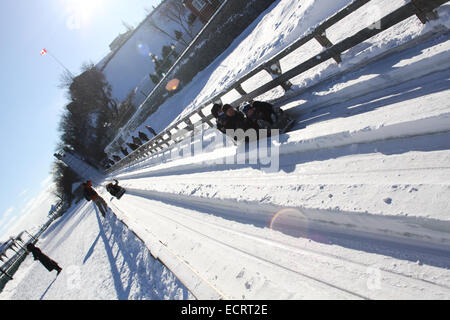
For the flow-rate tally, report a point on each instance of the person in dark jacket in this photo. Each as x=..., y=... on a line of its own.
x=91, y=194
x=235, y=119
x=220, y=117
x=124, y=151
x=261, y=114
x=143, y=136
x=137, y=141
x=132, y=146
x=115, y=190
x=48, y=263
x=151, y=130
x=216, y=108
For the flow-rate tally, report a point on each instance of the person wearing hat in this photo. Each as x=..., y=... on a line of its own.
x=132, y=146
x=219, y=115
x=91, y=194
x=263, y=114
x=236, y=119
x=48, y=263
x=124, y=151
x=143, y=136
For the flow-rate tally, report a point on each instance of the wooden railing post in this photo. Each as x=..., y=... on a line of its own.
x=275, y=70
x=204, y=118
x=240, y=90
x=326, y=43
x=424, y=11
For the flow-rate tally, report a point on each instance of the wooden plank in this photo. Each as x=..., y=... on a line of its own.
x=326, y=43
x=204, y=118
x=424, y=11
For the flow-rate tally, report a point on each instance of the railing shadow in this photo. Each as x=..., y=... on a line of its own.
x=144, y=275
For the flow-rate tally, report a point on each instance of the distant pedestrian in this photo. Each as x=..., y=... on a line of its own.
x=137, y=141
x=91, y=194
x=124, y=151
x=48, y=263
x=142, y=136
x=151, y=130
x=132, y=146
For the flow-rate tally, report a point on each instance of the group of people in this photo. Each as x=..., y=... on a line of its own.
x=89, y=194
x=253, y=115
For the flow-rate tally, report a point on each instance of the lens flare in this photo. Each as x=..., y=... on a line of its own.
x=285, y=214
x=143, y=49
x=172, y=85
x=290, y=221
x=295, y=223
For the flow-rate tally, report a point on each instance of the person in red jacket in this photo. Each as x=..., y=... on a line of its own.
x=91, y=194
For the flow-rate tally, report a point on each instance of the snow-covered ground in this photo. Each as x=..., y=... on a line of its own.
x=365, y=179
x=355, y=205
x=101, y=260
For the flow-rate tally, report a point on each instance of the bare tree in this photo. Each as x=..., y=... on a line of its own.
x=65, y=80
x=153, y=24
x=175, y=11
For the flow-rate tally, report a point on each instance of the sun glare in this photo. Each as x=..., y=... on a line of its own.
x=81, y=12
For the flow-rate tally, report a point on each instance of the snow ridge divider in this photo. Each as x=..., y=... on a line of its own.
x=411, y=231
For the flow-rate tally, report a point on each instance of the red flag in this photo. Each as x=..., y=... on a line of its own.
x=44, y=51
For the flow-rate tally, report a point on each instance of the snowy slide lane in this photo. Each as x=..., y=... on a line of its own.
x=247, y=262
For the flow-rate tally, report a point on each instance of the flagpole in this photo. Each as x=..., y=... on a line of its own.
x=59, y=62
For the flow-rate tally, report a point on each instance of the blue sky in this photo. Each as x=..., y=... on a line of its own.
x=74, y=31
